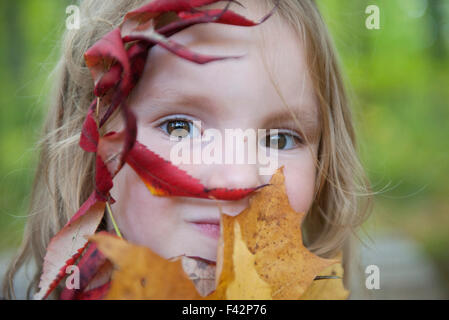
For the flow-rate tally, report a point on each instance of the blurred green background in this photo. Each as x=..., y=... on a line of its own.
x=400, y=80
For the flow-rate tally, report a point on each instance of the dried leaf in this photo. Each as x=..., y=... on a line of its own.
x=143, y=274
x=239, y=279
x=273, y=250
x=108, y=62
x=272, y=231
x=151, y=36
x=201, y=272
x=327, y=289
x=142, y=15
x=99, y=293
x=68, y=244
x=90, y=265
x=220, y=16
x=89, y=134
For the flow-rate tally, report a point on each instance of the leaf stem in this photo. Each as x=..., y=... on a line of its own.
x=97, y=112
x=117, y=231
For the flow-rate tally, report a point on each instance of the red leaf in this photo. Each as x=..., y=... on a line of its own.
x=223, y=16
x=154, y=8
x=173, y=5
x=218, y=16
x=103, y=179
x=113, y=149
x=183, y=23
x=108, y=80
x=130, y=131
x=151, y=36
x=137, y=25
x=96, y=293
x=144, y=30
x=137, y=56
x=90, y=265
x=89, y=134
x=68, y=244
x=102, y=57
x=140, y=18
x=164, y=179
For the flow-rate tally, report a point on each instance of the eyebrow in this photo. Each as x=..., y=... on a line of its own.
x=302, y=118
x=165, y=97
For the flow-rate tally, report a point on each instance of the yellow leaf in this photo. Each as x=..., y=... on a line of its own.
x=272, y=231
x=327, y=289
x=247, y=284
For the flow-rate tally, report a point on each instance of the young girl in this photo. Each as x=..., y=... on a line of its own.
x=286, y=78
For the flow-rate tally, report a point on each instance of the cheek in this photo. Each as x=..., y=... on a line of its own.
x=136, y=209
x=300, y=178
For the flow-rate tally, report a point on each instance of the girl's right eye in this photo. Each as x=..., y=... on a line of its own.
x=180, y=128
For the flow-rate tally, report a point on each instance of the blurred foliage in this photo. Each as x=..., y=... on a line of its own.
x=400, y=81
x=30, y=32
x=400, y=77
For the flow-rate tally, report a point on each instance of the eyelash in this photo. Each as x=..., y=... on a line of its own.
x=165, y=121
x=296, y=139
x=162, y=124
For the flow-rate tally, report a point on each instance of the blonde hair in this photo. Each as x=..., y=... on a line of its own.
x=65, y=173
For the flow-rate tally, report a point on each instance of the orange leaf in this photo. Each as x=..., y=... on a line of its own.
x=272, y=231
x=327, y=289
x=143, y=274
x=239, y=279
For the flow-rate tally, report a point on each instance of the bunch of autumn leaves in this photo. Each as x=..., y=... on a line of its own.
x=260, y=253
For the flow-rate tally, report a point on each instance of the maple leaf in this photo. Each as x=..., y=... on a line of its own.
x=238, y=278
x=201, y=272
x=138, y=19
x=93, y=265
x=89, y=133
x=329, y=286
x=143, y=274
x=260, y=256
x=272, y=231
x=69, y=243
x=108, y=62
x=163, y=178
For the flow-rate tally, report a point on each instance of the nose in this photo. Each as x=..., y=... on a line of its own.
x=233, y=176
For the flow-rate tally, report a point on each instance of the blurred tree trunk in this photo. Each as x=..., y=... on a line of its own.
x=436, y=25
x=14, y=37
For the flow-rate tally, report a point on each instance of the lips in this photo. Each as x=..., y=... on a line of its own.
x=209, y=227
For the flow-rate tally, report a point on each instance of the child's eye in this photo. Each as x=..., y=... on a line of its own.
x=180, y=128
x=281, y=141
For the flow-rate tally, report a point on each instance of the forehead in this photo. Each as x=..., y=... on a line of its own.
x=270, y=73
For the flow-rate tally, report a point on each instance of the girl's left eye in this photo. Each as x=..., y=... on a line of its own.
x=180, y=128
x=281, y=141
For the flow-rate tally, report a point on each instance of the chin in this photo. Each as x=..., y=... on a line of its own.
x=201, y=246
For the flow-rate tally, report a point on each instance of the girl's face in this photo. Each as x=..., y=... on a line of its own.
x=229, y=94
